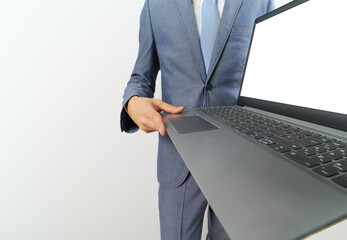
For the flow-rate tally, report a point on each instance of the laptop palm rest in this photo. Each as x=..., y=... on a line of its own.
x=255, y=193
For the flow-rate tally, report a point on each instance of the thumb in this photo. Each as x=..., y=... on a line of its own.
x=163, y=106
x=159, y=124
x=162, y=129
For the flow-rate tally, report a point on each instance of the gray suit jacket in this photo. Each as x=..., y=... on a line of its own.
x=169, y=41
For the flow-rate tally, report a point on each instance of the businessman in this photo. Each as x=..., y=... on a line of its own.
x=200, y=47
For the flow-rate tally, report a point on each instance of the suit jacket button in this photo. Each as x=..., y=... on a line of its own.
x=209, y=87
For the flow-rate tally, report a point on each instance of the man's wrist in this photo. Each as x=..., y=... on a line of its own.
x=127, y=103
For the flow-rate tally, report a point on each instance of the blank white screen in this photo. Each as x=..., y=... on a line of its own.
x=299, y=57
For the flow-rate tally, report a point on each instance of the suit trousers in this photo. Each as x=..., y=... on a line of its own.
x=182, y=210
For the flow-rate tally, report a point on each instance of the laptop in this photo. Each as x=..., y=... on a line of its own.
x=275, y=165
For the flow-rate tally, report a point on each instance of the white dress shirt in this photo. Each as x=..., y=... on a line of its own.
x=197, y=7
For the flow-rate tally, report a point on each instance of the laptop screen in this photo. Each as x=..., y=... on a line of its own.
x=298, y=57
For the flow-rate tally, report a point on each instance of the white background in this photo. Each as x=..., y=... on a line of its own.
x=66, y=171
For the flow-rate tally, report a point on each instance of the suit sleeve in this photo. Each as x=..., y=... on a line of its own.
x=143, y=77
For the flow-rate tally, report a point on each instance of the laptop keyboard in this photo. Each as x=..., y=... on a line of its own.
x=326, y=156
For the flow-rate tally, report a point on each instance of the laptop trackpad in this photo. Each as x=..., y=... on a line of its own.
x=191, y=124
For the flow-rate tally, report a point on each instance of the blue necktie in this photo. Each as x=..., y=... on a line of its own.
x=209, y=26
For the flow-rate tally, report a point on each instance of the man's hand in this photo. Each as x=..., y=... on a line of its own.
x=145, y=112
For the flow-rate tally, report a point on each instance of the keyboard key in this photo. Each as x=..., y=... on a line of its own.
x=334, y=155
x=302, y=159
x=257, y=135
x=339, y=144
x=246, y=131
x=307, y=151
x=338, y=166
x=326, y=171
x=286, y=142
x=306, y=133
x=298, y=135
x=330, y=146
x=280, y=148
x=266, y=141
x=343, y=161
x=322, y=158
x=316, y=135
x=295, y=146
x=268, y=134
x=308, y=142
x=290, y=137
x=342, y=151
x=322, y=138
x=320, y=149
x=296, y=129
x=229, y=123
x=257, y=129
x=342, y=180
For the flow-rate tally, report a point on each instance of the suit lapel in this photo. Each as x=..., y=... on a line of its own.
x=188, y=18
x=231, y=9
